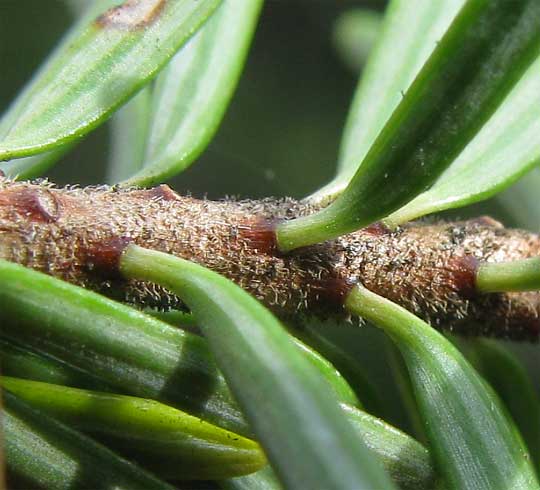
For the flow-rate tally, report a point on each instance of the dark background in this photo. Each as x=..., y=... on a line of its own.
x=281, y=132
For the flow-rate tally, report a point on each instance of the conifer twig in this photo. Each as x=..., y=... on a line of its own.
x=430, y=269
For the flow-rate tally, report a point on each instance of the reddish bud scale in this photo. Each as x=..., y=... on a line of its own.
x=463, y=270
x=333, y=292
x=430, y=269
x=103, y=258
x=260, y=235
x=37, y=205
x=377, y=229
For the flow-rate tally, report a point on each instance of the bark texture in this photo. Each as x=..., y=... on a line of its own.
x=430, y=269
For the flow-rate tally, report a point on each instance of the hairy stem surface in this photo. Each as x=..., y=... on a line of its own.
x=430, y=269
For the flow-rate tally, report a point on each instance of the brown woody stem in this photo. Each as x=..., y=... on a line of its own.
x=430, y=269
